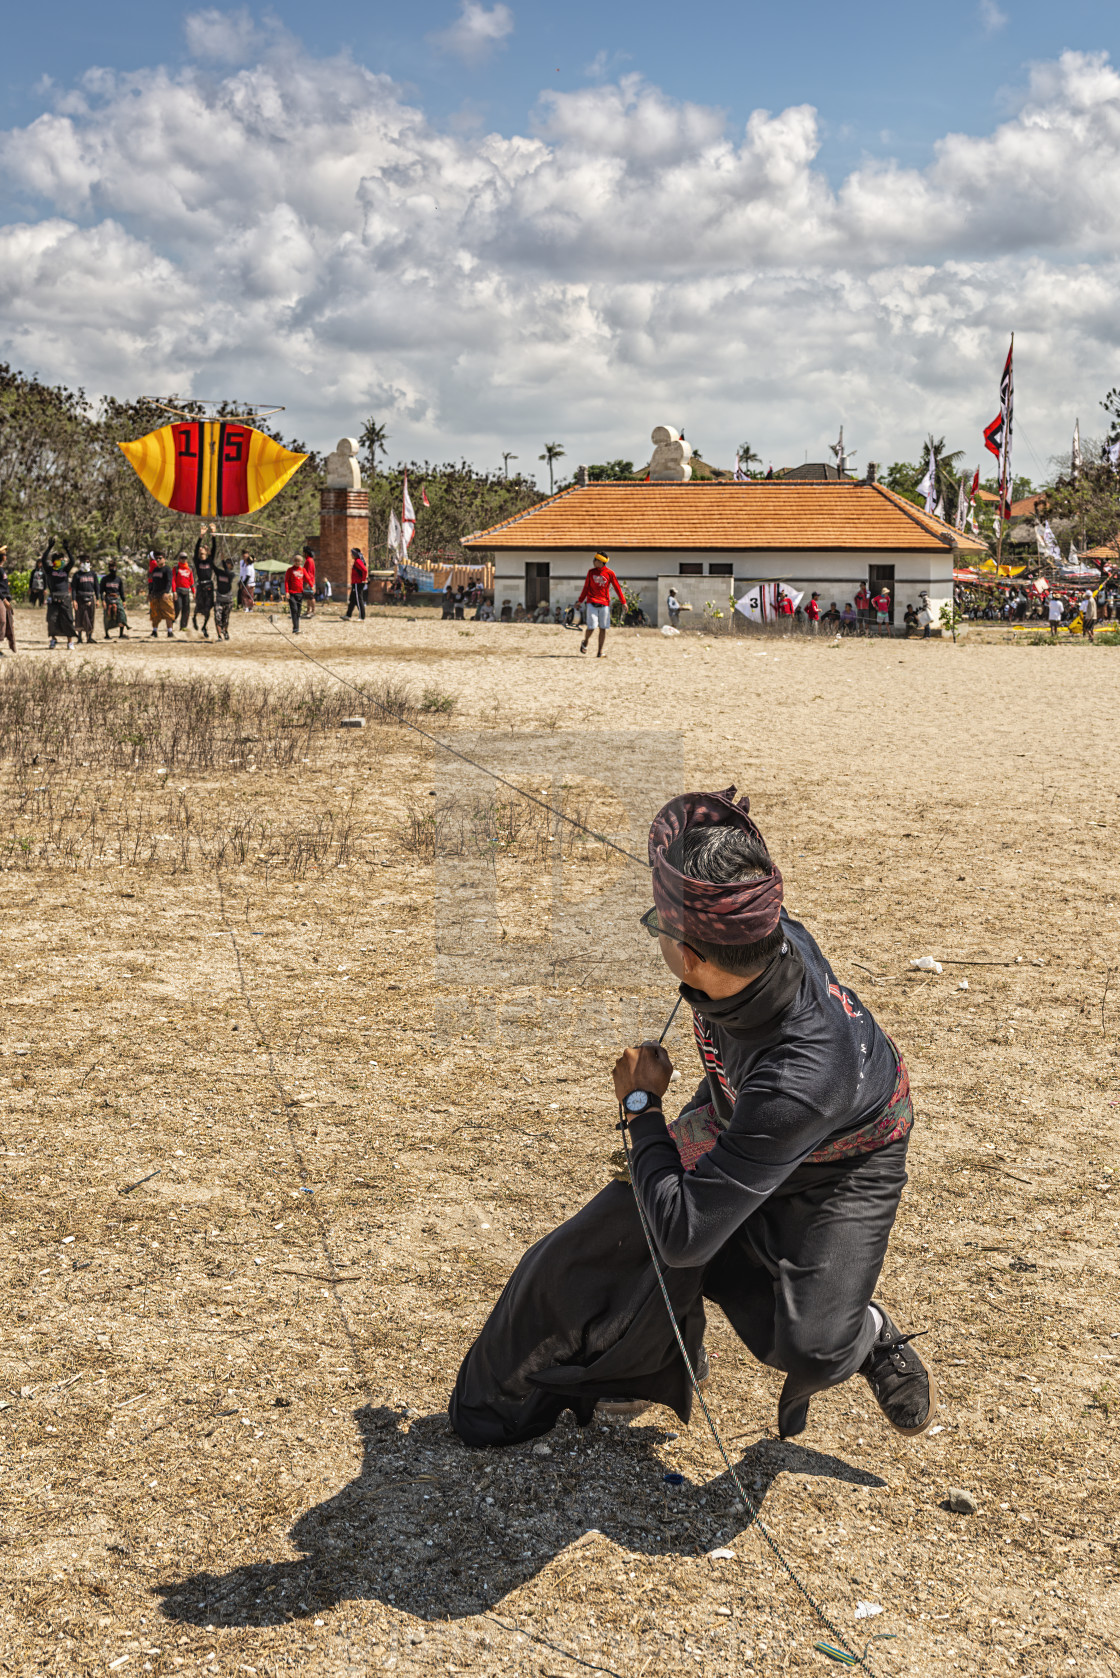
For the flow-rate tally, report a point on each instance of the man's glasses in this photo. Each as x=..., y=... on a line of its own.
x=653, y=926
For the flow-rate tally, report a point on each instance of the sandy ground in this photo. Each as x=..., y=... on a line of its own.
x=366, y=1088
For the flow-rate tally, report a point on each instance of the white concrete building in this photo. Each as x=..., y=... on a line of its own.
x=712, y=540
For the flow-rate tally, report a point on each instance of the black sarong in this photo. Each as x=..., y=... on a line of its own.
x=60, y=618
x=582, y=1317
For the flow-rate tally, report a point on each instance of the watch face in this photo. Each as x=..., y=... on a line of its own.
x=637, y=1101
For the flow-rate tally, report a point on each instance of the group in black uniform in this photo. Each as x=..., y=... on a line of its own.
x=70, y=586
x=71, y=589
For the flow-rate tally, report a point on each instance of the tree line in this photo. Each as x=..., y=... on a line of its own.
x=63, y=475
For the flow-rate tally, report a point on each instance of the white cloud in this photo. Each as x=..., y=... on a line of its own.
x=224, y=37
x=476, y=31
x=992, y=20
x=296, y=231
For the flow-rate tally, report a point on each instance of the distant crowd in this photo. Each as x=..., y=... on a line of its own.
x=1079, y=608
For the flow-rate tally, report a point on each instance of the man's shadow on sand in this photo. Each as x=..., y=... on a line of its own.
x=414, y=1529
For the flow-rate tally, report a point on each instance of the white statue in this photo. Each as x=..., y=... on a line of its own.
x=671, y=455
x=343, y=471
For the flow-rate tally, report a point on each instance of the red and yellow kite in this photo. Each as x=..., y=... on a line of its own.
x=213, y=468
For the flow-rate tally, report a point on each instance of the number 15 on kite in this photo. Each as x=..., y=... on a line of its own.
x=213, y=468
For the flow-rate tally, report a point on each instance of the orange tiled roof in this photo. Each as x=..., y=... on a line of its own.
x=802, y=515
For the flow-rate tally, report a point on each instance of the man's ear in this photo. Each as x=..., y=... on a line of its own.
x=690, y=961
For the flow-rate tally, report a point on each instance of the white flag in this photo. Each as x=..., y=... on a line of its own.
x=396, y=538
x=1075, y=452
x=928, y=485
x=1114, y=452
x=939, y=510
x=408, y=518
x=1051, y=542
x=962, y=502
x=1074, y=559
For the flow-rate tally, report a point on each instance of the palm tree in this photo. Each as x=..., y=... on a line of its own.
x=373, y=440
x=948, y=468
x=552, y=453
x=747, y=456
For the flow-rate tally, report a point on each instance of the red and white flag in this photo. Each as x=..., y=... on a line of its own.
x=408, y=517
x=997, y=436
x=424, y=496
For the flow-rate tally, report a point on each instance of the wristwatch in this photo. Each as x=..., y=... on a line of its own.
x=638, y=1101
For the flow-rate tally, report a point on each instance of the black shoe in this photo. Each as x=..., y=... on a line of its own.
x=904, y=1389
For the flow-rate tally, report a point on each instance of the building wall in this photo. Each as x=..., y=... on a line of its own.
x=835, y=575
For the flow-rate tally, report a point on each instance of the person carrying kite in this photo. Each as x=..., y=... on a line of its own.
x=772, y=1194
x=60, y=602
x=203, y=564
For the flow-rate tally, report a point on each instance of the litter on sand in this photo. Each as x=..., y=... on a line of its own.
x=868, y=1610
x=667, y=629
x=721, y=1555
x=926, y=964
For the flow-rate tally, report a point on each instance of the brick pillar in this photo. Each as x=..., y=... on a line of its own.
x=343, y=524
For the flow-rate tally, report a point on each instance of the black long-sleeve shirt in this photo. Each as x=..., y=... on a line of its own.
x=806, y=1062
x=204, y=563
x=57, y=579
x=5, y=585
x=111, y=587
x=84, y=584
x=159, y=580
x=223, y=576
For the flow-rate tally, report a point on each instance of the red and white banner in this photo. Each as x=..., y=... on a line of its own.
x=408, y=518
x=997, y=436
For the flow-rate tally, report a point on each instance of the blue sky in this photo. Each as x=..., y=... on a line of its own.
x=492, y=223
x=884, y=77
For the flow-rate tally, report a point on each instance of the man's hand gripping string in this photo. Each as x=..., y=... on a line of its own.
x=646, y=1067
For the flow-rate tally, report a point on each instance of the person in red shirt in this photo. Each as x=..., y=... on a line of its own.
x=182, y=581
x=862, y=602
x=359, y=571
x=295, y=578
x=813, y=613
x=882, y=607
x=308, y=583
x=595, y=597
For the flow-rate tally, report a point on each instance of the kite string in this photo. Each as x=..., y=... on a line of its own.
x=385, y=711
x=754, y=1517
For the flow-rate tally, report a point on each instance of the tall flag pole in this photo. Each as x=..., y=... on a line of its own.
x=1075, y=452
x=997, y=441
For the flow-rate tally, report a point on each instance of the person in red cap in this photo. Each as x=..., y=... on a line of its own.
x=772, y=1193
x=595, y=598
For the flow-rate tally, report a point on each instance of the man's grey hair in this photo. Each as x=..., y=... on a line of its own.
x=719, y=852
